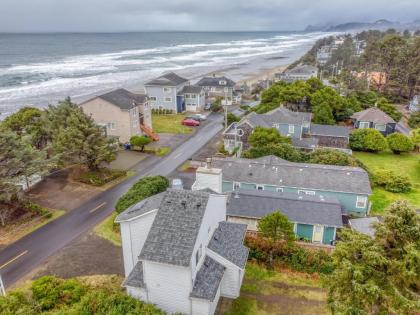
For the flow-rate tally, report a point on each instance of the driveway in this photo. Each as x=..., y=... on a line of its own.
x=21, y=257
x=126, y=159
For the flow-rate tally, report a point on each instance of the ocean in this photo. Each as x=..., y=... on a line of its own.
x=40, y=69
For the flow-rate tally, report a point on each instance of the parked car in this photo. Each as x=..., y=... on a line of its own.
x=198, y=117
x=177, y=183
x=190, y=122
x=207, y=106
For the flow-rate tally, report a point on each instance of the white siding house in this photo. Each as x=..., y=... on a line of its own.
x=180, y=254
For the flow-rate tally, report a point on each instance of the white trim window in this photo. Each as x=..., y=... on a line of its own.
x=111, y=126
x=236, y=185
x=361, y=201
x=380, y=127
x=364, y=125
x=292, y=129
x=279, y=189
x=168, y=99
x=167, y=90
x=306, y=192
x=276, y=125
x=260, y=187
x=153, y=98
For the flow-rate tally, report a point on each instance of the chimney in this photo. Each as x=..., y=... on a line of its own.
x=208, y=177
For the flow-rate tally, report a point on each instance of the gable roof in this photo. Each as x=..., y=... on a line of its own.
x=141, y=207
x=215, y=81
x=135, y=278
x=207, y=279
x=279, y=172
x=227, y=241
x=173, y=234
x=284, y=115
x=168, y=79
x=329, y=130
x=123, y=99
x=302, y=69
x=191, y=89
x=374, y=115
x=301, y=209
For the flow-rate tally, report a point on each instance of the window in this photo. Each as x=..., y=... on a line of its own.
x=222, y=82
x=291, y=129
x=306, y=192
x=380, y=127
x=260, y=187
x=363, y=124
x=111, y=126
x=361, y=201
x=279, y=189
x=226, y=89
x=276, y=126
x=168, y=99
x=236, y=185
x=193, y=96
x=212, y=89
x=167, y=90
x=152, y=98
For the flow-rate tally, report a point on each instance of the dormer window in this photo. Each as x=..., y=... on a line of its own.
x=222, y=82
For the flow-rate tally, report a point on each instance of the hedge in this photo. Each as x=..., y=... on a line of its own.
x=142, y=189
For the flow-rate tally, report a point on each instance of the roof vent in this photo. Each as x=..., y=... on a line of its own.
x=301, y=169
x=215, y=237
x=348, y=173
x=184, y=204
x=249, y=165
x=236, y=195
x=206, y=263
x=198, y=205
x=250, y=173
x=168, y=201
x=300, y=197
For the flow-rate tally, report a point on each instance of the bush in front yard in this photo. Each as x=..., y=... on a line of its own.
x=391, y=181
x=370, y=140
x=144, y=188
x=399, y=143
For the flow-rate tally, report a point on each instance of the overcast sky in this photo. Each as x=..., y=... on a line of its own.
x=225, y=15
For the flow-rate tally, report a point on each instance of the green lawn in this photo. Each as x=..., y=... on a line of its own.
x=267, y=292
x=107, y=230
x=169, y=124
x=404, y=164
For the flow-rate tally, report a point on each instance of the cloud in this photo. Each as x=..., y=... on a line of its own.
x=194, y=15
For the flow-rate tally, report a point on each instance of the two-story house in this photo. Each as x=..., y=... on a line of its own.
x=164, y=92
x=218, y=87
x=180, y=253
x=123, y=114
x=296, y=125
x=300, y=72
x=374, y=118
x=349, y=185
x=194, y=98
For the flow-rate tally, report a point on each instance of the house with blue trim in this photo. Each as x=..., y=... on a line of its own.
x=296, y=125
x=173, y=92
x=349, y=185
x=315, y=218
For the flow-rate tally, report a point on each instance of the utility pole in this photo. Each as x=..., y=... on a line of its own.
x=2, y=288
x=226, y=110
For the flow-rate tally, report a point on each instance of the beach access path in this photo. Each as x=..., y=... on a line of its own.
x=24, y=255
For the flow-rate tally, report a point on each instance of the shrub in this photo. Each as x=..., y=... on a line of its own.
x=332, y=157
x=140, y=141
x=391, y=181
x=101, y=176
x=370, y=140
x=281, y=150
x=144, y=188
x=49, y=292
x=398, y=143
x=17, y=303
x=231, y=118
x=414, y=120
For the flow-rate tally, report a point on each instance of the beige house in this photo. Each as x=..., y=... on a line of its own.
x=122, y=113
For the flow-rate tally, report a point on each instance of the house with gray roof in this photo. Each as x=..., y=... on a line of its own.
x=296, y=125
x=218, y=86
x=315, y=218
x=349, y=185
x=180, y=253
x=194, y=98
x=300, y=72
x=373, y=117
x=164, y=92
x=123, y=114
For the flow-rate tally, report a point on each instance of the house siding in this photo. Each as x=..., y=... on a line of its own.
x=347, y=200
x=137, y=293
x=157, y=91
x=195, y=104
x=328, y=235
x=200, y=307
x=170, y=293
x=305, y=231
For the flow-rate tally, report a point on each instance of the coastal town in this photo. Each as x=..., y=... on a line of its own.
x=294, y=191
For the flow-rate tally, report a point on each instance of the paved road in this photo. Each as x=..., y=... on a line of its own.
x=21, y=257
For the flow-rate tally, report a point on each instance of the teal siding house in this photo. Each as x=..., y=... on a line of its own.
x=349, y=185
x=315, y=219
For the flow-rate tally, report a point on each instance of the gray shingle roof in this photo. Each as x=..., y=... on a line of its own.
x=191, y=89
x=286, y=116
x=302, y=69
x=374, y=115
x=124, y=99
x=208, y=279
x=364, y=225
x=172, y=237
x=300, y=175
x=141, y=207
x=328, y=130
x=300, y=209
x=227, y=241
x=257, y=120
x=215, y=81
x=135, y=278
x=168, y=79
